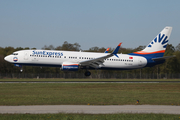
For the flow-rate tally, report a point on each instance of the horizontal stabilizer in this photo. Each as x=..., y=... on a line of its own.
x=162, y=58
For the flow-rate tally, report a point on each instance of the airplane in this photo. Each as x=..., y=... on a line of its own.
x=152, y=55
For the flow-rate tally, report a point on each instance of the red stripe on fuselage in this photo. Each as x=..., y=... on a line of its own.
x=145, y=53
x=70, y=65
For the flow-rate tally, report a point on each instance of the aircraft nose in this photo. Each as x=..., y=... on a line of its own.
x=7, y=58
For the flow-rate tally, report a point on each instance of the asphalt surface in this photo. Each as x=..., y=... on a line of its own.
x=90, y=109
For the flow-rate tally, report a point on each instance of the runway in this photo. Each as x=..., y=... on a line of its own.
x=90, y=109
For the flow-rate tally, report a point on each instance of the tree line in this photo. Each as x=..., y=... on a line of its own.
x=172, y=65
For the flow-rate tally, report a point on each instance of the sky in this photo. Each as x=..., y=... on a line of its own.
x=90, y=23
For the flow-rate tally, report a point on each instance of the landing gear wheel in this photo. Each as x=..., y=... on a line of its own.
x=87, y=73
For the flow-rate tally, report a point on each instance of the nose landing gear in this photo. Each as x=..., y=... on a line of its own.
x=21, y=70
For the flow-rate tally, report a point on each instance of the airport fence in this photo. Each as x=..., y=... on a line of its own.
x=71, y=75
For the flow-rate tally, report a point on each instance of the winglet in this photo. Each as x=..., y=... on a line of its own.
x=107, y=50
x=116, y=50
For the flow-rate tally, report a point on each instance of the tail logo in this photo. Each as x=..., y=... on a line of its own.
x=160, y=39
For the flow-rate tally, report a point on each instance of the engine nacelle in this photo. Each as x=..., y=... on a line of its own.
x=70, y=66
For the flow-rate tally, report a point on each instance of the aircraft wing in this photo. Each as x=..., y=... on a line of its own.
x=97, y=62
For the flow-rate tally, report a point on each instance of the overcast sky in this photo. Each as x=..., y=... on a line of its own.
x=101, y=23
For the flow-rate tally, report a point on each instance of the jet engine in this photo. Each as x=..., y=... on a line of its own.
x=70, y=66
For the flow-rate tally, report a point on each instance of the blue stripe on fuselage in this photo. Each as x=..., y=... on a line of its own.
x=41, y=65
x=150, y=62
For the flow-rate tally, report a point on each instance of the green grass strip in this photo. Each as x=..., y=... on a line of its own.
x=88, y=117
x=57, y=79
x=91, y=93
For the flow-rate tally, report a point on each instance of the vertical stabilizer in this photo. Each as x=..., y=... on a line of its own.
x=157, y=47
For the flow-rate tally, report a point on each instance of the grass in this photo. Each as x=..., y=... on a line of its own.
x=89, y=117
x=58, y=79
x=91, y=93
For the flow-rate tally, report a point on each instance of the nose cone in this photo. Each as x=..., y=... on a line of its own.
x=5, y=58
x=8, y=58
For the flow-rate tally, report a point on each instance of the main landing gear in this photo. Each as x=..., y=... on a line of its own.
x=87, y=73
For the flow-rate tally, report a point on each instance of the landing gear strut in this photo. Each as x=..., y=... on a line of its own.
x=21, y=70
x=87, y=73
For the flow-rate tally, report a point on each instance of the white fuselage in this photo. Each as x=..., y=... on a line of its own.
x=57, y=58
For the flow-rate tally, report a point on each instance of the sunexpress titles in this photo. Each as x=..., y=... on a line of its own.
x=47, y=53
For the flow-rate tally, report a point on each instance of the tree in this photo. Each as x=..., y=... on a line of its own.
x=178, y=47
x=50, y=47
x=169, y=50
x=69, y=47
x=94, y=49
x=139, y=48
x=169, y=65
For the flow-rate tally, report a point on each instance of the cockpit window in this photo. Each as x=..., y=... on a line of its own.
x=15, y=53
